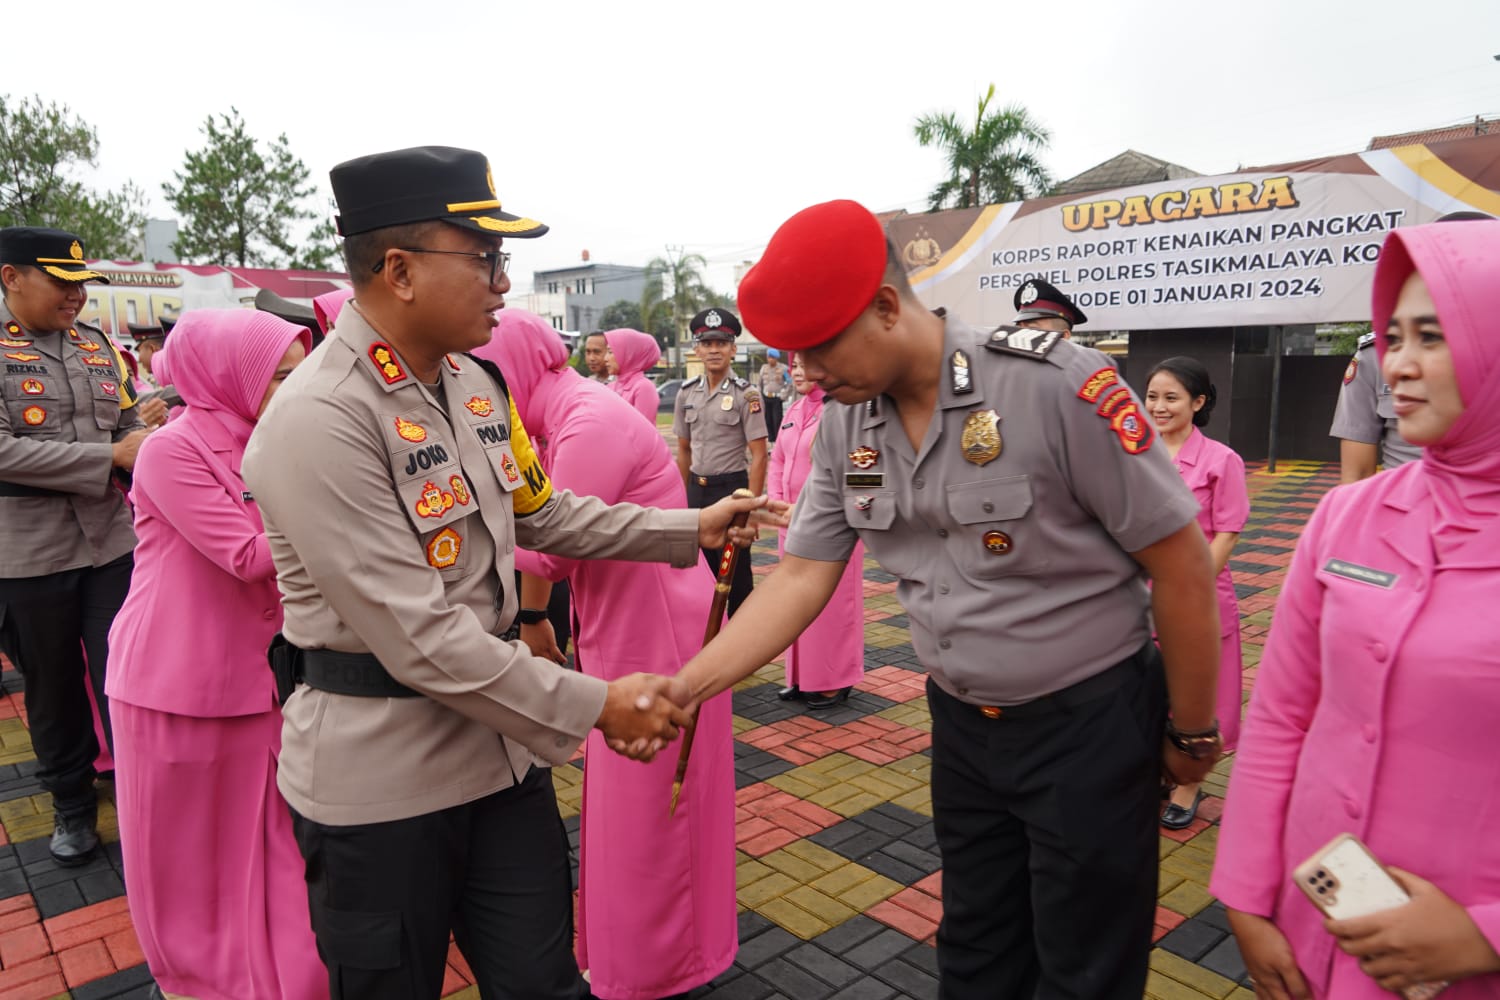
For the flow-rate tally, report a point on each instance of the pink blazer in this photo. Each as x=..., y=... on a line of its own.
x=191, y=637
x=1374, y=714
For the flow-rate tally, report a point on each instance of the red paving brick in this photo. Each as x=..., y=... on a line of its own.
x=22, y=945
x=86, y=963
x=33, y=980
x=913, y=925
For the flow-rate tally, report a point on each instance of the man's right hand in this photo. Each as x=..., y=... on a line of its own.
x=640, y=713
x=1269, y=958
x=122, y=456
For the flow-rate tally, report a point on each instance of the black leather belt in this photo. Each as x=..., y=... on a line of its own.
x=357, y=674
x=722, y=479
x=20, y=490
x=1070, y=697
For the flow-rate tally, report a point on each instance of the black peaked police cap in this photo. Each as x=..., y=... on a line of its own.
x=423, y=184
x=55, y=251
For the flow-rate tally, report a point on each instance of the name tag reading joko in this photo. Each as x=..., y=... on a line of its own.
x=1361, y=574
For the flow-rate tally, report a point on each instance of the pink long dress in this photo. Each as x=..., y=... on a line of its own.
x=656, y=895
x=830, y=653
x=635, y=352
x=1216, y=475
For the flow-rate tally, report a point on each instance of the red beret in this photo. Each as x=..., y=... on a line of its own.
x=821, y=269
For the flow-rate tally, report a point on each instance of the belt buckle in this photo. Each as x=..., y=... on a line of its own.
x=702, y=480
x=990, y=711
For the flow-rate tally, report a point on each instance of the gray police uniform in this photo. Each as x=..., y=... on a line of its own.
x=1365, y=410
x=1010, y=530
x=65, y=537
x=719, y=422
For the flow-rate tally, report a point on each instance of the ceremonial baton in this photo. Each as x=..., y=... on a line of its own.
x=727, y=562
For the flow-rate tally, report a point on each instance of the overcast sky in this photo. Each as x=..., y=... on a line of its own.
x=629, y=128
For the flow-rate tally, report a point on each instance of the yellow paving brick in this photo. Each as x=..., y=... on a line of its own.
x=1165, y=846
x=1186, y=899
x=757, y=893
x=793, y=785
x=1167, y=881
x=853, y=769
x=1179, y=863
x=824, y=765
x=815, y=854
x=1159, y=987
x=792, y=866
x=918, y=801
x=1240, y=993
x=1185, y=972
x=901, y=778
x=842, y=879
x=856, y=804
x=876, y=785
x=467, y=993
x=1201, y=848
x=792, y=918
x=832, y=796
x=742, y=726
x=866, y=894
x=820, y=905
x=750, y=871
x=805, y=776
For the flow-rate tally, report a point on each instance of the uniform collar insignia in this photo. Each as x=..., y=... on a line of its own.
x=387, y=366
x=962, y=376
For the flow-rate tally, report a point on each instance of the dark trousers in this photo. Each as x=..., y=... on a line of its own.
x=50, y=622
x=384, y=896
x=1046, y=818
x=700, y=495
x=773, y=416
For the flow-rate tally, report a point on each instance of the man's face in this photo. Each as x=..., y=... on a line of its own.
x=1047, y=323
x=144, y=352
x=716, y=354
x=852, y=367
x=595, y=349
x=40, y=301
x=454, y=299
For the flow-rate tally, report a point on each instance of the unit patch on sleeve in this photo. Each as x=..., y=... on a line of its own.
x=1119, y=407
x=1351, y=371
x=443, y=549
x=1096, y=383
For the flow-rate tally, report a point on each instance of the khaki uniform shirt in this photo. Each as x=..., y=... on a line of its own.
x=1366, y=412
x=1016, y=573
x=719, y=423
x=393, y=526
x=774, y=381
x=63, y=404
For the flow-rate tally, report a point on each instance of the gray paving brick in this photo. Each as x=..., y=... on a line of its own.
x=55, y=899
x=1225, y=959
x=864, y=989
x=764, y=947
x=923, y=956
x=878, y=950
x=909, y=980
x=99, y=886
x=751, y=924
x=1191, y=939
x=914, y=856
x=128, y=982
x=820, y=963
x=746, y=987
x=848, y=934
x=897, y=871
x=792, y=981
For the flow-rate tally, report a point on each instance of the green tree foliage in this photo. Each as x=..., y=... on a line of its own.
x=627, y=314
x=322, y=252
x=994, y=161
x=41, y=144
x=240, y=199
x=674, y=292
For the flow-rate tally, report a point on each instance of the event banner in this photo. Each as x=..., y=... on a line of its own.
x=144, y=293
x=1286, y=245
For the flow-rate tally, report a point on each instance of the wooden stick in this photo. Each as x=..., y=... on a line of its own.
x=727, y=562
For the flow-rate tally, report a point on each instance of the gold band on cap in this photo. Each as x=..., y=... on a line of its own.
x=473, y=206
x=58, y=260
x=501, y=226
x=58, y=272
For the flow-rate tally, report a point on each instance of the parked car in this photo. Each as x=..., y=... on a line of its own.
x=667, y=395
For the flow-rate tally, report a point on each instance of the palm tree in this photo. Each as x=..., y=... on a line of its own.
x=997, y=161
x=675, y=288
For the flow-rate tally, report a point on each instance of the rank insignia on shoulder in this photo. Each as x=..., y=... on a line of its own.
x=34, y=416
x=7, y=342
x=742, y=383
x=1351, y=371
x=963, y=379
x=434, y=502
x=443, y=549
x=33, y=387
x=13, y=328
x=415, y=433
x=72, y=333
x=980, y=440
x=1367, y=340
x=452, y=365
x=1027, y=343
x=480, y=406
x=1094, y=387
x=385, y=363
x=23, y=356
x=864, y=457
x=460, y=490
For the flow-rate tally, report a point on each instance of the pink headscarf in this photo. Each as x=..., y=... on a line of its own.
x=527, y=349
x=634, y=351
x=326, y=307
x=1460, y=262
x=221, y=361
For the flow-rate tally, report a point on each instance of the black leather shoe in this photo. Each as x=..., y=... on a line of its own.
x=820, y=702
x=793, y=693
x=1176, y=817
x=73, y=840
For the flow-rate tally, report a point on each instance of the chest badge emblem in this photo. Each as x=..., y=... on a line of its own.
x=34, y=415
x=434, y=502
x=98, y=362
x=508, y=466
x=980, y=441
x=727, y=403
x=33, y=387
x=409, y=431
x=864, y=457
x=480, y=406
x=997, y=542
x=23, y=356
x=443, y=549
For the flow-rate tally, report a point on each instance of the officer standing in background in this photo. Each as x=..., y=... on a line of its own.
x=1040, y=306
x=716, y=417
x=149, y=338
x=1010, y=482
x=68, y=421
x=1364, y=420
x=395, y=481
x=596, y=357
x=772, y=381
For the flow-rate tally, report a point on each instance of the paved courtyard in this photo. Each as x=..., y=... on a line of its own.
x=838, y=871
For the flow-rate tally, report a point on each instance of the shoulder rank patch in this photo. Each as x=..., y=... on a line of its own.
x=34, y=416
x=1352, y=371
x=1096, y=383
x=443, y=549
x=753, y=399
x=8, y=342
x=958, y=369
x=742, y=383
x=1033, y=344
x=12, y=328
x=1118, y=406
x=1368, y=340
x=480, y=406
x=386, y=364
x=415, y=433
x=23, y=356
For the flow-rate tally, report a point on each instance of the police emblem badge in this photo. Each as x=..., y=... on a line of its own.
x=434, y=502
x=415, y=433
x=980, y=440
x=480, y=406
x=997, y=542
x=864, y=457
x=443, y=549
x=460, y=490
x=33, y=387
x=34, y=415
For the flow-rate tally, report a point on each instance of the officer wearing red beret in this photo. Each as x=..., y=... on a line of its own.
x=1009, y=481
x=1040, y=306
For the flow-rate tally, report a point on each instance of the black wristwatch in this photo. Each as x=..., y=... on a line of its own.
x=1201, y=744
x=532, y=616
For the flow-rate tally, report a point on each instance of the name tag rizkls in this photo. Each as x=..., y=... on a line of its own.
x=1361, y=574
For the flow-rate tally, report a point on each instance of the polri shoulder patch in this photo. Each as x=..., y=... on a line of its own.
x=1033, y=344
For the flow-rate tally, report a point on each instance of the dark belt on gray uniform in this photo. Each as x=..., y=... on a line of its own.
x=722, y=479
x=1086, y=690
x=20, y=490
x=357, y=674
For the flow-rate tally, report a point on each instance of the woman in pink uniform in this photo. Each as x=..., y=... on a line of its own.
x=1179, y=399
x=656, y=903
x=828, y=659
x=212, y=872
x=635, y=353
x=1375, y=709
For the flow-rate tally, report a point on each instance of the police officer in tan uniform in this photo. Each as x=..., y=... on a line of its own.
x=67, y=422
x=1365, y=419
x=1040, y=306
x=395, y=481
x=1010, y=481
x=716, y=417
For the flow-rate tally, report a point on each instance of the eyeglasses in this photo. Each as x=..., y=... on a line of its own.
x=499, y=260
